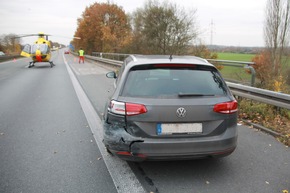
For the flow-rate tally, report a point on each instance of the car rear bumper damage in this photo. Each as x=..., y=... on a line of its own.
x=130, y=148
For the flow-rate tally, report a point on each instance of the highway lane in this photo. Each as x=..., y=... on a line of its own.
x=259, y=164
x=33, y=97
x=46, y=144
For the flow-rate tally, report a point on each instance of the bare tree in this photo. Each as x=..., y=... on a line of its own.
x=163, y=28
x=10, y=44
x=276, y=31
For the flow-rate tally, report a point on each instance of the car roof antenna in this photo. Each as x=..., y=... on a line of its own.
x=170, y=57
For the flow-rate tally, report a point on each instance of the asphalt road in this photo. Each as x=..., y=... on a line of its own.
x=46, y=142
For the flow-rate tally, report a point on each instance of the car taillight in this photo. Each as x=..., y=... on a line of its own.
x=117, y=107
x=135, y=109
x=226, y=108
x=128, y=109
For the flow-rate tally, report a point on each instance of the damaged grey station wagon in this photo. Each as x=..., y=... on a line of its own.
x=169, y=108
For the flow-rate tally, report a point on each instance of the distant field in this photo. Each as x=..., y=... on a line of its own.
x=236, y=73
x=235, y=57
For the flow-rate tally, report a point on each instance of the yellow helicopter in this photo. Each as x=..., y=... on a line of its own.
x=40, y=51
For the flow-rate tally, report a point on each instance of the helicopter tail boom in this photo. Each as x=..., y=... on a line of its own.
x=25, y=54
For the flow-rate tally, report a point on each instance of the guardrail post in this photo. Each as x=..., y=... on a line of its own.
x=253, y=73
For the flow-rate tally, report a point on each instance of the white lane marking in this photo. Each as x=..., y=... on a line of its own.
x=123, y=177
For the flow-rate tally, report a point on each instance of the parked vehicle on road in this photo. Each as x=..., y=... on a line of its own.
x=169, y=108
x=2, y=53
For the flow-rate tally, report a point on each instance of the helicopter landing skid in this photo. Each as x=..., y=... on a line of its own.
x=31, y=64
x=51, y=64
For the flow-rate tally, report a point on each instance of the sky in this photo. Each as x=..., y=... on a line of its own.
x=220, y=22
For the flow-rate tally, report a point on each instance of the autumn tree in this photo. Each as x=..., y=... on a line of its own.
x=263, y=68
x=103, y=27
x=163, y=28
x=202, y=51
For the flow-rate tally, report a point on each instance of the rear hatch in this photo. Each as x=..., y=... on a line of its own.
x=176, y=100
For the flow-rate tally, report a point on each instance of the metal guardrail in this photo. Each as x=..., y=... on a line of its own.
x=105, y=60
x=261, y=95
x=112, y=56
x=238, y=64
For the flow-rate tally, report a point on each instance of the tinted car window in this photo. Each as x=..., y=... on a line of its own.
x=154, y=82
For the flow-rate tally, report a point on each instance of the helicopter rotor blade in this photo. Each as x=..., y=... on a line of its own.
x=28, y=35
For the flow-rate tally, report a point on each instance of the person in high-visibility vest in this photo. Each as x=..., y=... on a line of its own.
x=81, y=55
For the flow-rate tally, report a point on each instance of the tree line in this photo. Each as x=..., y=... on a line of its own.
x=157, y=28
x=9, y=44
x=166, y=28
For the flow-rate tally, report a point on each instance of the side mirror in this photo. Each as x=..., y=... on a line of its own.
x=111, y=75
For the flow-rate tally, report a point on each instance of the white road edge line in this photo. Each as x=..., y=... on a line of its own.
x=122, y=175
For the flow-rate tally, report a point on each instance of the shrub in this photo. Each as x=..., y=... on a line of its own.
x=263, y=68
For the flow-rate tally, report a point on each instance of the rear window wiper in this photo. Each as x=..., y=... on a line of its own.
x=193, y=95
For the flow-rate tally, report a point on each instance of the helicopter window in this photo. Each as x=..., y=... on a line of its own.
x=42, y=47
x=27, y=48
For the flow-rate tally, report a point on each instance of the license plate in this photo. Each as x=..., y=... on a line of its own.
x=177, y=128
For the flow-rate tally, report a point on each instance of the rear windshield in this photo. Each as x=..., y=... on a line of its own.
x=160, y=82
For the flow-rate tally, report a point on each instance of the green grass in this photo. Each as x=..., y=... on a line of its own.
x=235, y=73
x=235, y=56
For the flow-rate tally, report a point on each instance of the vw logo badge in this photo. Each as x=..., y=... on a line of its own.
x=181, y=112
